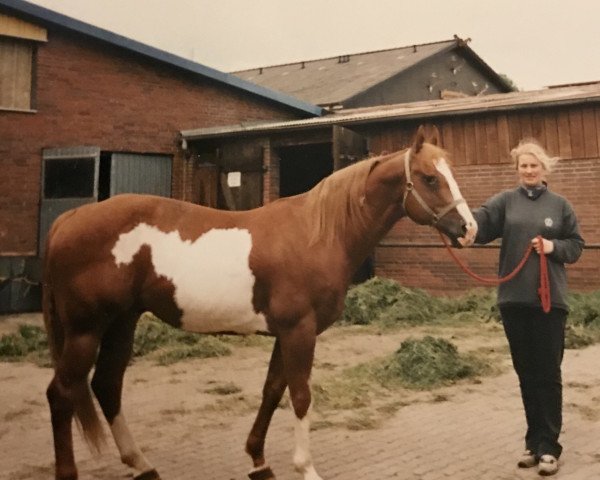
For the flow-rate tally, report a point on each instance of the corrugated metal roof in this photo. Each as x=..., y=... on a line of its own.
x=332, y=80
x=49, y=17
x=419, y=110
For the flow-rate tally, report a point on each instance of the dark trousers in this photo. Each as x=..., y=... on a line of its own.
x=537, y=342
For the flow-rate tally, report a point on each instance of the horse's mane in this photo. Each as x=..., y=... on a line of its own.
x=336, y=203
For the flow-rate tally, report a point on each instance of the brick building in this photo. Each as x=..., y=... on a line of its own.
x=92, y=114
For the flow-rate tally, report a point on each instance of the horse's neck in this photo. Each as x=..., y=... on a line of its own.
x=361, y=243
x=384, y=192
x=383, y=208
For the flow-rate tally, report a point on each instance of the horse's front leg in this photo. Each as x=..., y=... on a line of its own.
x=297, y=349
x=272, y=392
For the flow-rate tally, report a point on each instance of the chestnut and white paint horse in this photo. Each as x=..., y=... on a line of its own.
x=282, y=270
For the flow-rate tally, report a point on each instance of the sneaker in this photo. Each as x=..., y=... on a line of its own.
x=548, y=465
x=527, y=460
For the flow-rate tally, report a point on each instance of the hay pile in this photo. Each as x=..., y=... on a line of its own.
x=29, y=342
x=169, y=345
x=388, y=303
x=429, y=362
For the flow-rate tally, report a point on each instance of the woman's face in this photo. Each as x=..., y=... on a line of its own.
x=530, y=170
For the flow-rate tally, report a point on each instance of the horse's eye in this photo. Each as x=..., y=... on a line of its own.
x=431, y=180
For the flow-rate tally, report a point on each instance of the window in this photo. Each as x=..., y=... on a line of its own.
x=69, y=178
x=70, y=173
x=16, y=63
x=18, y=45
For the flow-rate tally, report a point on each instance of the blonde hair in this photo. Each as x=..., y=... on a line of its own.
x=532, y=147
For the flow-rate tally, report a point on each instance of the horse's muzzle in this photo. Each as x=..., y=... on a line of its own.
x=468, y=239
x=459, y=231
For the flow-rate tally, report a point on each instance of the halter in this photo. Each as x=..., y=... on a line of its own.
x=410, y=188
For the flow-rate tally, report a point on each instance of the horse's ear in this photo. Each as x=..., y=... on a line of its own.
x=435, y=137
x=419, y=139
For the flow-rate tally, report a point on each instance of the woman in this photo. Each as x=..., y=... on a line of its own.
x=536, y=339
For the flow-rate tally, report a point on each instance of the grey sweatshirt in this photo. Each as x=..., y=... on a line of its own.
x=517, y=218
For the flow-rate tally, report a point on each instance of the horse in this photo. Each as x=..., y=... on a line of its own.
x=282, y=269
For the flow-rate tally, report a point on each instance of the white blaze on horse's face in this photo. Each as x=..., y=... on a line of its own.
x=213, y=282
x=442, y=166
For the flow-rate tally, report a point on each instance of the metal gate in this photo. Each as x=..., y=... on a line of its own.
x=134, y=173
x=69, y=179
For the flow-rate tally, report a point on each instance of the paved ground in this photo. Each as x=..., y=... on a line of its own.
x=473, y=435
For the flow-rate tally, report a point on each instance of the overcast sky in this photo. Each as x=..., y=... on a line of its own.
x=535, y=42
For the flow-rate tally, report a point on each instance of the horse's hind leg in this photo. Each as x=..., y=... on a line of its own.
x=107, y=384
x=68, y=393
x=273, y=389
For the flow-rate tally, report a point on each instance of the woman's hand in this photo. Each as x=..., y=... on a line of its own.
x=547, y=245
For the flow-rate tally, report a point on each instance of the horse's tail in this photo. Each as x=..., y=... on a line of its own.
x=88, y=421
x=85, y=411
x=54, y=330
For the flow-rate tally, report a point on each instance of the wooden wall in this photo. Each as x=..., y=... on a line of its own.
x=483, y=139
x=479, y=145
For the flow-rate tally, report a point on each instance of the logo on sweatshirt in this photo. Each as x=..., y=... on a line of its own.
x=548, y=222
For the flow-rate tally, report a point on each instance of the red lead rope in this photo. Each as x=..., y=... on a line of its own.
x=543, y=290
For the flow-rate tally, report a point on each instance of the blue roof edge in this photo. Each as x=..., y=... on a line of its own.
x=57, y=19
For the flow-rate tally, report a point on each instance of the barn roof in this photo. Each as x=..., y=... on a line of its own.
x=334, y=80
x=426, y=110
x=49, y=18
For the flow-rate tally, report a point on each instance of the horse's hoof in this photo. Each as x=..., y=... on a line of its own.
x=264, y=473
x=149, y=475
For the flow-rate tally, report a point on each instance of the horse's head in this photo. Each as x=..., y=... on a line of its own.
x=431, y=195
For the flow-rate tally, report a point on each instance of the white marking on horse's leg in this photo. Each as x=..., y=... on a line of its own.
x=442, y=166
x=130, y=453
x=302, y=458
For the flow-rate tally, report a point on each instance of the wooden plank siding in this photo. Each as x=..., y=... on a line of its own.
x=458, y=137
x=576, y=133
x=570, y=133
x=480, y=145
x=514, y=131
x=470, y=143
x=17, y=28
x=504, y=143
x=491, y=140
x=481, y=156
x=590, y=141
x=597, y=118
x=564, y=137
x=448, y=136
x=537, y=127
x=526, y=126
x=551, y=130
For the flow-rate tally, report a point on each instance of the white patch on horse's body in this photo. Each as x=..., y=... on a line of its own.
x=128, y=449
x=212, y=277
x=442, y=166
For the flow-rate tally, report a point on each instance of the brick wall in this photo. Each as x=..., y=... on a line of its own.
x=413, y=254
x=93, y=94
